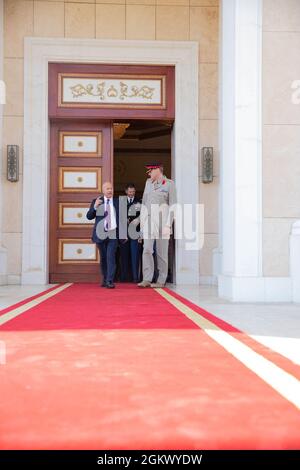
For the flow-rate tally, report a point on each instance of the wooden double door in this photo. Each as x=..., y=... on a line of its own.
x=80, y=161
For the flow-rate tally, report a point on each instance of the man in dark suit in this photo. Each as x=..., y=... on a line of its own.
x=130, y=248
x=105, y=210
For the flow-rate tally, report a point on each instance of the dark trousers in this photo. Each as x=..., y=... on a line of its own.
x=129, y=253
x=107, y=249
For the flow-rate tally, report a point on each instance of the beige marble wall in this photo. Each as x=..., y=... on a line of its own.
x=195, y=20
x=281, y=131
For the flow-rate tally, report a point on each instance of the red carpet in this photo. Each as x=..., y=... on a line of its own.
x=92, y=368
x=87, y=306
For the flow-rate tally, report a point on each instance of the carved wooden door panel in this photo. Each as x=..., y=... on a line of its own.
x=80, y=160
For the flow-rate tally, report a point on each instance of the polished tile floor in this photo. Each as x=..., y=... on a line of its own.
x=276, y=325
x=13, y=294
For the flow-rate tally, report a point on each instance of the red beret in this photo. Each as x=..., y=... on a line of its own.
x=152, y=166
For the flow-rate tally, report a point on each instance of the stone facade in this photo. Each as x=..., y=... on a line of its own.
x=281, y=132
x=183, y=20
x=196, y=20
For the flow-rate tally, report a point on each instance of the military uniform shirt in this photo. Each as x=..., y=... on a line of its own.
x=157, y=198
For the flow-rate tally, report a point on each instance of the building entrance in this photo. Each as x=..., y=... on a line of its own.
x=106, y=121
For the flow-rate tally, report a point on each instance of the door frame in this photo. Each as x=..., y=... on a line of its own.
x=59, y=233
x=38, y=52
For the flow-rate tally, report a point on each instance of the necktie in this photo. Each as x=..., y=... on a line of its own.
x=108, y=218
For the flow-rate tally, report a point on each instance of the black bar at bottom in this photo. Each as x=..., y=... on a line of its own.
x=142, y=459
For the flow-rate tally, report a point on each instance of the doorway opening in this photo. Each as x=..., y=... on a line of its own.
x=137, y=142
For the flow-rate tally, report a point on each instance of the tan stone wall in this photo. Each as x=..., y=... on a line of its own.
x=281, y=132
x=113, y=19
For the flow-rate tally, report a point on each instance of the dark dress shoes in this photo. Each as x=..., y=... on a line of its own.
x=110, y=285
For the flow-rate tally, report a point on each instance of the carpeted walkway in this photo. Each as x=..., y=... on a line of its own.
x=91, y=368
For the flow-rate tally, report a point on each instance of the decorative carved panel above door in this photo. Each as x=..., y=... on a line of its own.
x=111, y=91
x=99, y=90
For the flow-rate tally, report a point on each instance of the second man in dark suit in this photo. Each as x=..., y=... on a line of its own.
x=130, y=248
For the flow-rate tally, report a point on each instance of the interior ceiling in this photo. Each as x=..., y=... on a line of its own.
x=142, y=129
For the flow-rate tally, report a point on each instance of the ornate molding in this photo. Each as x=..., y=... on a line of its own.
x=112, y=91
x=38, y=54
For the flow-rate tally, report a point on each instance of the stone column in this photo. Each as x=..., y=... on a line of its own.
x=240, y=276
x=3, y=253
x=295, y=261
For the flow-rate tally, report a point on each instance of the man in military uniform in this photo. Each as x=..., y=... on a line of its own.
x=156, y=223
